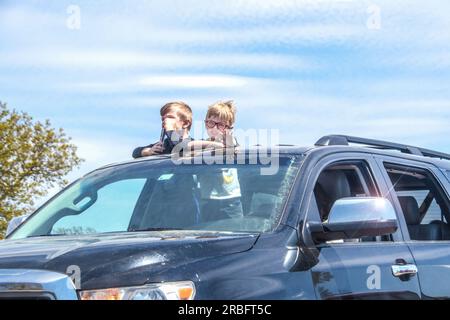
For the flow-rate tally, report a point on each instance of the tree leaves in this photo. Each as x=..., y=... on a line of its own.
x=34, y=157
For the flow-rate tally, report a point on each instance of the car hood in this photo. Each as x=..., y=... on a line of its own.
x=123, y=259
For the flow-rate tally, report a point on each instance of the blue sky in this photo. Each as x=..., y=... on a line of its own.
x=307, y=68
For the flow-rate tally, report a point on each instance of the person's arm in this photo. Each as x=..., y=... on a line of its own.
x=203, y=144
x=155, y=148
x=137, y=153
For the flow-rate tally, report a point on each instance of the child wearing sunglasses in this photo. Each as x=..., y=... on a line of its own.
x=220, y=192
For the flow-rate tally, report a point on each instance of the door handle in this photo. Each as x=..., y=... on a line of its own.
x=399, y=270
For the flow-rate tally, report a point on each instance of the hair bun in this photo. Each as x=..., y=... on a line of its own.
x=230, y=104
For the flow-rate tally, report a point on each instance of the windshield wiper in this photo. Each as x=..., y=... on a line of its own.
x=48, y=235
x=155, y=229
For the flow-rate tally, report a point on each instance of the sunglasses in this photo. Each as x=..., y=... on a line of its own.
x=221, y=126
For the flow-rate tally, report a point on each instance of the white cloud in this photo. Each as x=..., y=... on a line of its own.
x=183, y=48
x=433, y=59
x=120, y=59
x=97, y=152
x=230, y=23
x=103, y=150
x=46, y=42
x=194, y=81
x=156, y=82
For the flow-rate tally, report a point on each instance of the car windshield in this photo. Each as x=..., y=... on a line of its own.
x=163, y=195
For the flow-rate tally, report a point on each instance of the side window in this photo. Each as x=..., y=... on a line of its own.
x=350, y=179
x=424, y=203
x=434, y=211
x=342, y=180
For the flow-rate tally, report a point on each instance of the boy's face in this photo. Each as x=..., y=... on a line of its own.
x=219, y=130
x=171, y=121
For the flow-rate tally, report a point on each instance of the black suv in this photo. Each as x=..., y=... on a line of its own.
x=350, y=218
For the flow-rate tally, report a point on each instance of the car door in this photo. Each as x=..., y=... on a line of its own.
x=360, y=268
x=429, y=236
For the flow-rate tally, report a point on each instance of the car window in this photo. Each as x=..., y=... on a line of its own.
x=433, y=212
x=342, y=180
x=423, y=202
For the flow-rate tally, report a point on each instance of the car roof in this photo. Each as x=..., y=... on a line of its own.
x=441, y=163
x=298, y=150
x=262, y=150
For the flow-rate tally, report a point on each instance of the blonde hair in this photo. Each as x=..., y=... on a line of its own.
x=224, y=110
x=183, y=111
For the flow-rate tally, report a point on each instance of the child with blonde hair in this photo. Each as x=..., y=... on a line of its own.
x=219, y=123
x=220, y=192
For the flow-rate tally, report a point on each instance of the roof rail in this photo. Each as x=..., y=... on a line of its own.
x=343, y=140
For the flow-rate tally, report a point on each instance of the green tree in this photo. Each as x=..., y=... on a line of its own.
x=34, y=157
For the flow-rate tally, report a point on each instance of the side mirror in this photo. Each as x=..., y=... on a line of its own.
x=354, y=218
x=14, y=223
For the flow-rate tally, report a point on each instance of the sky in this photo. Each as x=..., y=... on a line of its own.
x=101, y=69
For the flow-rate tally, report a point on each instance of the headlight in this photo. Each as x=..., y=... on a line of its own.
x=164, y=291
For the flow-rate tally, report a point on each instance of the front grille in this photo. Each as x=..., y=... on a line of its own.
x=26, y=296
x=25, y=284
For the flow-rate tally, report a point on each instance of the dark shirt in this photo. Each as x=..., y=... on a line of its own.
x=168, y=147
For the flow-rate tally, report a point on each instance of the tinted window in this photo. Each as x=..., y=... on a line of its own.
x=423, y=202
x=434, y=211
